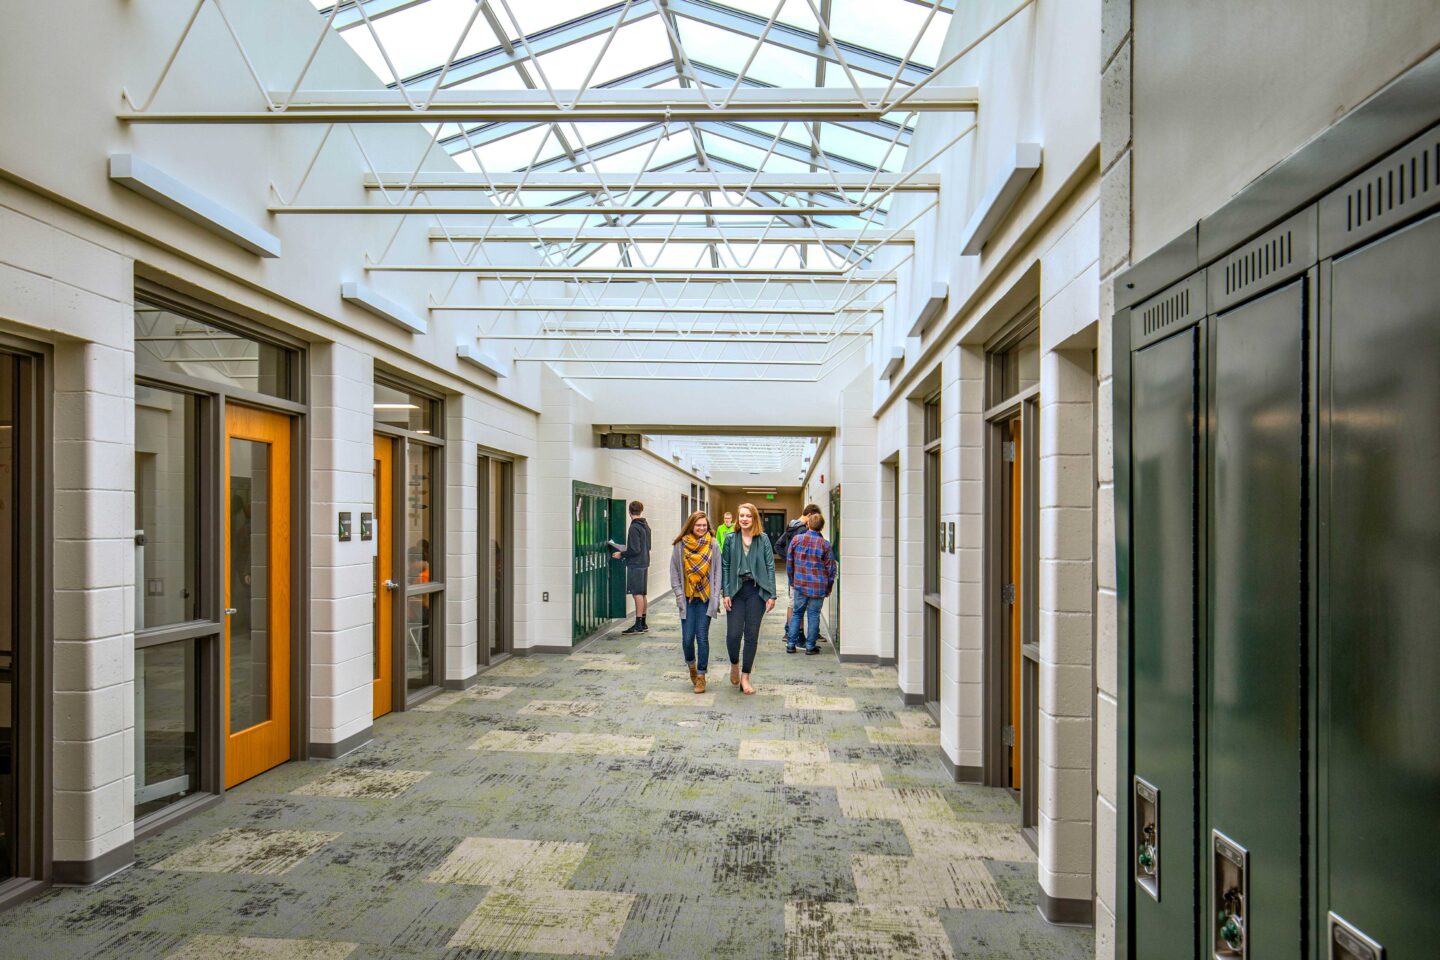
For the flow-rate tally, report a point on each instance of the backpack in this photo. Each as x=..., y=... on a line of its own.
x=782, y=546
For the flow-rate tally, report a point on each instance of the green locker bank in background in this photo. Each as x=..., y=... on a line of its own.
x=599, y=591
x=1278, y=526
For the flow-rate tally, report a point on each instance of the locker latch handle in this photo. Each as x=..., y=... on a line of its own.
x=1147, y=850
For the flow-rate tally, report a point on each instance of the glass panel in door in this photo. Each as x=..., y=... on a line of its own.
x=257, y=592
x=384, y=582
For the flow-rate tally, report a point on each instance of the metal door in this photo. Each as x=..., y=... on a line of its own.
x=1379, y=553
x=1253, y=668
x=1162, y=867
x=383, y=578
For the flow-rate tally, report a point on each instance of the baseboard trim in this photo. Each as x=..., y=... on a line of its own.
x=962, y=774
x=15, y=892
x=538, y=651
x=912, y=699
x=465, y=683
x=1066, y=913
x=86, y=872
x=334, y=751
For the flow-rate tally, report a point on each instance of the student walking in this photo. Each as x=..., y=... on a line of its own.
x=810, y=568
x=793, y=529
x=695, y=579
x=725, y=529
x=748, y=586
x=636, y=555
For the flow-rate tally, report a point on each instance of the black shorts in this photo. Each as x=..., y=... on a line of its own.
x=637, y=580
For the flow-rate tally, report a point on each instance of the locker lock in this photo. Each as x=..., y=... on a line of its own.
x=1147, y=849
x=1232, y=920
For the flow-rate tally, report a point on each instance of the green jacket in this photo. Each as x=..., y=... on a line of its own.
x=723, y=531
x=730, y=565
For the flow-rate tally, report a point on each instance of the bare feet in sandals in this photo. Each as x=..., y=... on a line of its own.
x=745, y=687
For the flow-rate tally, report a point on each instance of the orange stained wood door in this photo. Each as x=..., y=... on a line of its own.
x=258, y=487
x=384, y=574
x=1017, y=550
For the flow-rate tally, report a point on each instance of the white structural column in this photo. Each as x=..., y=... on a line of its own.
x=550, y=548
x=1066, y=575
x=911, y=666
x=94, y=600
x=463, y=414
x=858, y=473
x=342, y=464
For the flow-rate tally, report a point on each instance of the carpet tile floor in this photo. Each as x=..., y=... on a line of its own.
x=592, y=806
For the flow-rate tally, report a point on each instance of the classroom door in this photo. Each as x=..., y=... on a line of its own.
x=385, y=584
x=257, y=592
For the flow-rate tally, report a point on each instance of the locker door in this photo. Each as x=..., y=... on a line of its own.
x=1379, y=663
x=1253, y=666
x=1163, y=646
x=618, y=513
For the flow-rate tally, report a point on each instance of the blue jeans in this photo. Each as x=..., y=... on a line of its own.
x=809, y=609
x=695, y=631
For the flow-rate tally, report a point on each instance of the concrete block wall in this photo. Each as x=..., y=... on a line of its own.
x=643, y=475
x=911, y=665
x=342, y=477
x=1115, y=255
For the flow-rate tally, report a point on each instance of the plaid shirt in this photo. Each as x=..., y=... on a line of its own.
x=810, y=565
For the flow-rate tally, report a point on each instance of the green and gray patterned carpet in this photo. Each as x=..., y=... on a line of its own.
x=592, y=805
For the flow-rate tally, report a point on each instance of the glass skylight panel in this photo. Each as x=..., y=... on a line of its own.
x=677, y=147
x=421, y=37
x=536, y=15
x=889, y=27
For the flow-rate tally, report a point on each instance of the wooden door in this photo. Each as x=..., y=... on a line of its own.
x=1016, y=573
x=384, y=586
x=257, y=592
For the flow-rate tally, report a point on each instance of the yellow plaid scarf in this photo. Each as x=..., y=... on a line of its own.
x=695, y=559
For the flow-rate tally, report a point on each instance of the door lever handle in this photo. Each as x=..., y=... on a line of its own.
x=231, y=611
x=391, y=585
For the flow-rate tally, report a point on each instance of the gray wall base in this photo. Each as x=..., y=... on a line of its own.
x=463, y=684
x=84, y=872
x=334, y=751
x=1070, y=913
x=963, y=774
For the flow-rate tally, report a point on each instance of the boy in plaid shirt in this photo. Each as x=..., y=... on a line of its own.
x=810, y=567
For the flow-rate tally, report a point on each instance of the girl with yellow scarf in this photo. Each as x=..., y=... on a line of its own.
x=695, y=579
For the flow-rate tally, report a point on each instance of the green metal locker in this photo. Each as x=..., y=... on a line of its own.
x=1378, y=846
x=1252, y=765
x=592, y=566
x=615, y=589
x=1163, y=449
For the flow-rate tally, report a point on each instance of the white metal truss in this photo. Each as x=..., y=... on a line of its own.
x=679, y=202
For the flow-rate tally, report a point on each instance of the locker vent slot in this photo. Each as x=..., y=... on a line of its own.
x=1398, y=188
x=1274, y=257
x=1389, y=189
x=1167, y=311
x=1259, y=262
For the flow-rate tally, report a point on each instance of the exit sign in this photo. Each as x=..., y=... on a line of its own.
x=769, y=496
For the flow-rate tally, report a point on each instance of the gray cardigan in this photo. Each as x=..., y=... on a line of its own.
x=677, y=578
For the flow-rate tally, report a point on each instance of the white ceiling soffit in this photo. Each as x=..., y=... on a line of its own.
x=939, y=293
x=154, y=184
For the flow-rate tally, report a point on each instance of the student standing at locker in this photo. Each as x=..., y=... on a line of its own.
x=695, y=580
x=635, y=552
x=748, y=585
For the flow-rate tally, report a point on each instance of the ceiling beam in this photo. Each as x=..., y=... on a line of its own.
x=602, y=210
x=638, y=105
x=667, y=182
x=761, y=310
x=674, y=274
x=656, y=234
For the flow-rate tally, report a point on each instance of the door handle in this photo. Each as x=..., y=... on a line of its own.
x=391, y=585
x=231, y=611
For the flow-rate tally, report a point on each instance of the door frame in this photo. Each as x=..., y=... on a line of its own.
x=486, y=575
x=208, y=629
x=34, y=623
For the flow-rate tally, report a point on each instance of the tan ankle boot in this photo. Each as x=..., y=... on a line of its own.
x=700, y=683
x=735, y=674
x=693, y=673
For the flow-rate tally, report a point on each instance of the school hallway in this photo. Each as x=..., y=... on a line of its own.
x=592, y=805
